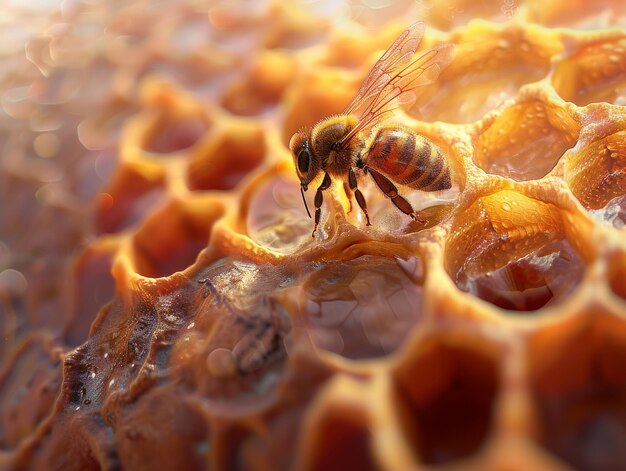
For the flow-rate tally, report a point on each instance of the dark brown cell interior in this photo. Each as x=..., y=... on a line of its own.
x=344, y=443
x=526, y=141
x=581, y=398
x=93, y=287
x=618, y=278
x=229, y=159
x=171, y=239
x=445, y=402
x=545, y=277
x=174, y=134
x=126, y=200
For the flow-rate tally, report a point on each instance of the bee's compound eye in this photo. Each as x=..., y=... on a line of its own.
x=304, y=161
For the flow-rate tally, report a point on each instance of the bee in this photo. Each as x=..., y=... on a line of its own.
x=362, y=139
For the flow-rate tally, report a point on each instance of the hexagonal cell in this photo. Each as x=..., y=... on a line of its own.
x=617, y=275
x=445, y=396
x=29, y=384
x=170, y=239
x=170, y=123
x=490, y=65
x=227, y=157
x=170, y=134
x=577, y=13
x=127, y=198
x=526, y=140
x=342, y=441
x=276, y=217
x=511, y=250
x=447, y=14
x=596, y=173
x=593, y=72
x=263, y=86
x=92, y=287
x=578, y=378
x=365, y=307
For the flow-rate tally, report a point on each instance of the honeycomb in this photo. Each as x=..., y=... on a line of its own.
x=164, y=306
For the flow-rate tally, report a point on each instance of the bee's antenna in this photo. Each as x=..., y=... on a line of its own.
x=303, y=199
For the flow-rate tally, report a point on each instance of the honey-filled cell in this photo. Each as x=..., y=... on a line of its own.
x=512, y=251
x=490, y=65
x=526, y=140
x=593, y=73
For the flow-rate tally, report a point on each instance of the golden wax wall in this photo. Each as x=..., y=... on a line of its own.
x=163, y=304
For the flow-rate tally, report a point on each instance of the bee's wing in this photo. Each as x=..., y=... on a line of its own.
x=394, y=77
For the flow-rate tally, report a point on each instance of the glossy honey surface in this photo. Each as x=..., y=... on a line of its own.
x=164, y=306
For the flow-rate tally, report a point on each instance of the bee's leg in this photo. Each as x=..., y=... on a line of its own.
x=348, y=192
x=357, y=194
x=319, y=199
x=390, y=190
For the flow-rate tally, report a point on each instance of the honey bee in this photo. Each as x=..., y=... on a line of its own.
x=363, y=139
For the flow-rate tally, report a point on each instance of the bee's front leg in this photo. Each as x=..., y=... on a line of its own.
x=357, y=194
x=319, y=199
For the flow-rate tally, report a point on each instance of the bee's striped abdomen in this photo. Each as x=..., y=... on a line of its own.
x=409, y=159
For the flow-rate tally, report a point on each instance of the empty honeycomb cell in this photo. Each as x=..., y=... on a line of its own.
x=227, y=157
x=172, y=134
x=263, y=86
x=342, y=441
x=596, y=172
x=526, y=140
x=93, y=287
x=489, y=66
x=29, y=384
x=618, y=275
x=226, y=453
x=292, y=28
x=365, y=307
x=511, y=251
x=127, y=198
x=276, y=217
x=168, y=124
x=171, y=238
x=445, y=396
x=577, y=13
x=593, y=72
x=450, y=13
x=578, y=379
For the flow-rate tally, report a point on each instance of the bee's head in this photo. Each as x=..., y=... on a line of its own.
x=306, y=162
